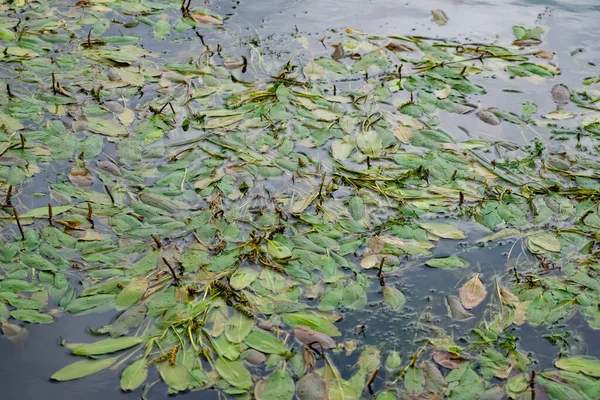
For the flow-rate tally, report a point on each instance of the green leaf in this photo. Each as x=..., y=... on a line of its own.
x=238, y=327
x=311, y=320
x=447, y=262
x=278, y=250
x=106, y=346
x=106, y=127
x=161, y=30
x=543, y=241
x=43, y=212
x=265, y=342
x=587, y=365
x=279, y=385
x=80, y=369
x=445, y=231
x=134, y=375
x=243, y=277
x=131, y=293
x=234, y=373
x=369, y=143
x=9, y=123
x=354, y=297
x=394, y=297
x=38, y=262
x=414, y=381
x=87, y=303
x=177, y=376
x=32, y=316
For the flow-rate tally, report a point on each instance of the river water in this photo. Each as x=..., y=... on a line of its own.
x=573, y=35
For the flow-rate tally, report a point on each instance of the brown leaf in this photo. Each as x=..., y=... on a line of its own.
x=472, y=293
x=206, y=19
x=338, y=51
x=447, y=359
x=308, y=337
x=403, y=133
x=80, y=177
x=394, y=46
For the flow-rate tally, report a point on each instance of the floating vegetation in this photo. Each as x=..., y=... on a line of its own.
x=232, y=212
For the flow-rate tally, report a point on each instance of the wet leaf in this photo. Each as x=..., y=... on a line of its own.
x=443, y=230
x=311, y=387
x=543, y=241
x=32, y=316
x=279, y=385
x=488, y=117
x=312, y=321
x=106, y=346
x=131, y=293
x=134, y=375
x=394, y=298
x=242, y=278
x=456, y=309
x=414, y=381
x=238, y=327
x=312, y=71
x=83, y=368
x=447, y=262
x=308, y=337
x=439, y=17
x=472, y=293
x=447, y=359
x=206, y=19
x=587, y=365
x=264, y=342
x=234, y=373
x=177, y=376
x=106, y=127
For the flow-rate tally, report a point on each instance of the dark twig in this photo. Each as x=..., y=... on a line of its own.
x=16, y=215
x=168, y=264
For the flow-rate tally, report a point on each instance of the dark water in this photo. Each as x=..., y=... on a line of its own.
x=573, y=25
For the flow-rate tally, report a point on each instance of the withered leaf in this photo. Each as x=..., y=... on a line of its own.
x=472, y=293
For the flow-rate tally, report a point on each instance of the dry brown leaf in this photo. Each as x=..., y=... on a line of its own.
x=472, y=293
x=308, y=337
x=206, y=19
x=447, y=359
x=338, y=51
x=507, y=296
x=403, y=133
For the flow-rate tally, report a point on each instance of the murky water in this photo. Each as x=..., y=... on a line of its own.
x=573, y=30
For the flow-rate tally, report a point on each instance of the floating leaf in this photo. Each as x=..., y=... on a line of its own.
x=456, y=309
x=308, y=337
x=264, y=342
x=472, y=293
x=234, y=373
x=587, y=365
x=131, y=293
x=106, y=346
x=80, y=369
x=106, y=127
x=439, y=17
x=394, y=298
x=238, y=327
x=279, y=385
x=134, y=375
x=311, y=320
x=443, y=230
x=447, y=262
x=177, y=376
x=311, y=387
